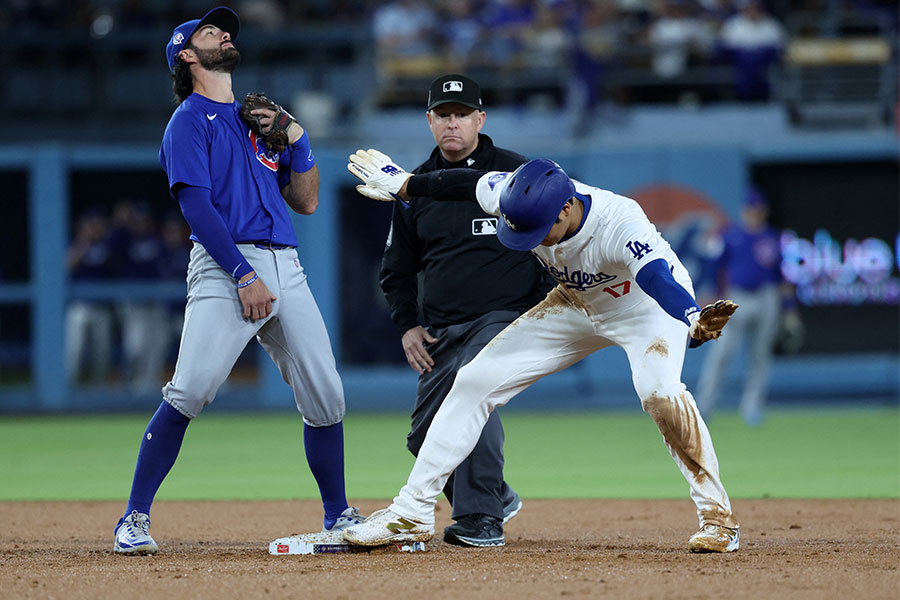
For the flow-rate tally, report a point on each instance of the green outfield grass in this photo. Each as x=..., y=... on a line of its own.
x=821, y=453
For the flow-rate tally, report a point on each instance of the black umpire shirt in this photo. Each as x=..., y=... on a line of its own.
x=467, y=271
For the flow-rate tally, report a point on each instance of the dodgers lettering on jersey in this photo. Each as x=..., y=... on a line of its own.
x=600, y=261
x=207, y=145
x=578, y=280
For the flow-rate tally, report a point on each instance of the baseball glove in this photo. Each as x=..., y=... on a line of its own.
x=709, y=322
x=275, y=135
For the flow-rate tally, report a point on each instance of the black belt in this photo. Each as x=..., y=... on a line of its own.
x=263, y=245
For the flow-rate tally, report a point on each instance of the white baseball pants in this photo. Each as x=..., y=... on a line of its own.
x=548, y=338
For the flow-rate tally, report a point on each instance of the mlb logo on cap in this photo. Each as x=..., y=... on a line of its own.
x=178, y=39
x=454, y=88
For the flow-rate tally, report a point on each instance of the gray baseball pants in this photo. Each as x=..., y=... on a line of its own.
x=215, y=333
x=755, y=325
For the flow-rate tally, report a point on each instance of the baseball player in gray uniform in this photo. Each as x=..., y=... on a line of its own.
x=619, y=284
x=244, y=277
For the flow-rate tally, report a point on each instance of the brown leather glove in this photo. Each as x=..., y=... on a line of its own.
x=274, y=135
x=710, y=321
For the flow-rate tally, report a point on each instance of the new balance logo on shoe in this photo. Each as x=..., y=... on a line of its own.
x=387, y=527
x=402, y=525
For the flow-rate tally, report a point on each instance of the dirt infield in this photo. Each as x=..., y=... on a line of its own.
x=555, y=548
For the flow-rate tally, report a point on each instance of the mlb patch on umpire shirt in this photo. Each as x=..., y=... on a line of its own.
x=484, y=226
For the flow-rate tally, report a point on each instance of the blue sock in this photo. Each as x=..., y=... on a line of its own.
x=158, y=452
x=325, y=455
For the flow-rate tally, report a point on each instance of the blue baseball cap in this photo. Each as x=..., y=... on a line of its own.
x=222, y=17
x=531, y=202
x=753, y=197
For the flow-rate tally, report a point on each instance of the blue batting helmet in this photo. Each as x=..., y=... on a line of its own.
x=531, y=202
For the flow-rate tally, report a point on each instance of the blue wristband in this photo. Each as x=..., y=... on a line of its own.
x=249, y=281
x=301, y=155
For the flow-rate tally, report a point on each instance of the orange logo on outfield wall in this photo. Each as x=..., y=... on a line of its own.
x=689, y=220
x=669, y=203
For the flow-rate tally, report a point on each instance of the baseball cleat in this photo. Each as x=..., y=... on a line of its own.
x=479, y=530
x=715, y=538
x=387, y=527
x=512, y=508
x=348, y=518
x=133, y=535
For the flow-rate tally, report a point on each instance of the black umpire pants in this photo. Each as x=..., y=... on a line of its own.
x=477, y=484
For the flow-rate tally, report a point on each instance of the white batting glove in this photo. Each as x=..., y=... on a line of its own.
x=382, y=178
x=375, y=194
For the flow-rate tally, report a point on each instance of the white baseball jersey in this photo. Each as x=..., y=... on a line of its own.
x=598, y=263
x=598, y=304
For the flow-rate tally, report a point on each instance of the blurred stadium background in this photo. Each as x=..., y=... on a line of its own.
x=651, y=99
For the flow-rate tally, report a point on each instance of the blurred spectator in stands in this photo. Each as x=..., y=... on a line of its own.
x=140, y=254
x=89, y=323
x=325, y=11
x=262, y=14
x=749, y=272
x=175, y=235
x=546, y=43
x=461, y=31
x=505, y=24
x=404, y=28
x=638, y=10
x=176, y=241
x=598, y=39
x=753, y=41
x=717, y=11
x=676, y=36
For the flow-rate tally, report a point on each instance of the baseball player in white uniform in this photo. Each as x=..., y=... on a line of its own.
x=620, y=284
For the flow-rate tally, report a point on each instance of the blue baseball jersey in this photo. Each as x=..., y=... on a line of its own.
x=207, y=145
x=751, y=259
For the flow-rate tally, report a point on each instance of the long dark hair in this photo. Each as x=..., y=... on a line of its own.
x=182, y=82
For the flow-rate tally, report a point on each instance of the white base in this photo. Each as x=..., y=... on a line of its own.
x=330, y=542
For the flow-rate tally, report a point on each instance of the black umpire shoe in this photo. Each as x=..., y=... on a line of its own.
x=476, y=530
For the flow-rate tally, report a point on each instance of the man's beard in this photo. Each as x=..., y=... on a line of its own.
x=222, y=60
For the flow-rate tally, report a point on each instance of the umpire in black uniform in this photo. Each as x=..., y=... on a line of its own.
x=472, y=288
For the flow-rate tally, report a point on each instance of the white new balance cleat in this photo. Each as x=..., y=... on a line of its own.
x=386, y=527
x=133, y=535
x=348, y=518
x=715, y=538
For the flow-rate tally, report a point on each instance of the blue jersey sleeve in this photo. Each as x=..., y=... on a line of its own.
x=185, y=149
x=208, y=227
x=656, y=280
